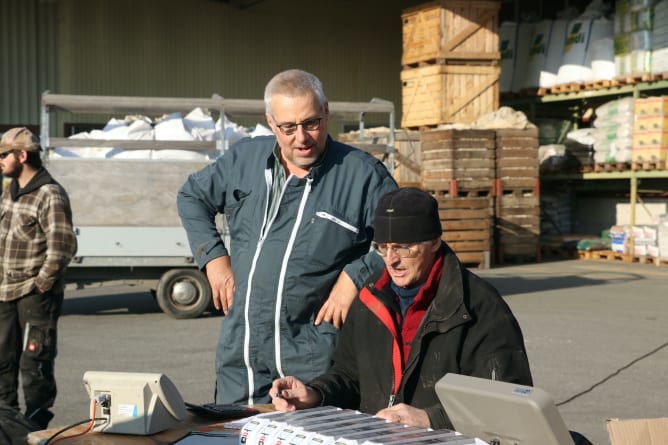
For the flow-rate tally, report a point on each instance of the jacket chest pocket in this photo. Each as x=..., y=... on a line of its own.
x=331, y=237
x=239, y=214
x=25, y=227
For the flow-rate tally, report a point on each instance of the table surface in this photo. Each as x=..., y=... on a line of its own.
x=193, y=423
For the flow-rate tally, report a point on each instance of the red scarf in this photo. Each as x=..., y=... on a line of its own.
x=418, y=308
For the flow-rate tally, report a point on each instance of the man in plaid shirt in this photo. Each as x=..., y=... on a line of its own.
x=37, y=242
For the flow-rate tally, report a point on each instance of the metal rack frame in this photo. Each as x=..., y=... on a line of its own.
x=85, y=104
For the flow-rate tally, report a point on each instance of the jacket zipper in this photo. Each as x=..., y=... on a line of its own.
x=284, y=266
x=268, y=176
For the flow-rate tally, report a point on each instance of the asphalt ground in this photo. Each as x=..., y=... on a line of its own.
x=596, y=334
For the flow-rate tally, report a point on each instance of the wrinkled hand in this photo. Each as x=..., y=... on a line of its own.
x=335, y=309
x=221, y=279
x=406, y=415
x=290, y=393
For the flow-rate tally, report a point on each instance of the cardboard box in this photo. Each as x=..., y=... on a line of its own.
x=650, y=138
x=638, y=431
x=651, y=105
x=651, y=122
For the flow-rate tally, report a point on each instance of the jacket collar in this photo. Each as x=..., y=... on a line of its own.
x=317, y=170
x=41, y=178
x=449, y=308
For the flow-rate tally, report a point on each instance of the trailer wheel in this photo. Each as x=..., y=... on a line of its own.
x=183, y=293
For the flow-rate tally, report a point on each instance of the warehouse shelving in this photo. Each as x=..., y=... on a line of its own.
x=573, y=105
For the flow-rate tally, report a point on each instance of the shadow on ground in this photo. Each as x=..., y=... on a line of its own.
x=106, y=302
x=512, y=285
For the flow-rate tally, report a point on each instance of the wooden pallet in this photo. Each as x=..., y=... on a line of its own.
x=567, y=88
x=600, y=84
x=609, y=255
x=451, y=61
x=633, y=79
x=660, y=76
x=602, y=167
x=649, y=165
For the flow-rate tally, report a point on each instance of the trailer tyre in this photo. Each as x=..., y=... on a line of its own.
x=183, y=293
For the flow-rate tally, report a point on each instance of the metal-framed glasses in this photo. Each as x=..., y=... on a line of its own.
x=402, y=250
x=308, y=125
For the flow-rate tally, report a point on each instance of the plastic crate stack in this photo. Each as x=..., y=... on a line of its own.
x=450, y=62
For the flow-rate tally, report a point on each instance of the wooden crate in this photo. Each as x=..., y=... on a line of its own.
x=517, y=227
x=407, y=156
x=517, y=163
x=467, y=227
x=451, y=29
x=441, y=94
x=463, y=156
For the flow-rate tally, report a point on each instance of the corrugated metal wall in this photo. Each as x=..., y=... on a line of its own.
x=195, y=48
x=28, y=54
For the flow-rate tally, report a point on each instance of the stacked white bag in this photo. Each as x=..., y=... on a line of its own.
x=547, y=48
x=634, y=36
x=584, y=34
x=660, y=38
x=507, y=47
x=613, y=131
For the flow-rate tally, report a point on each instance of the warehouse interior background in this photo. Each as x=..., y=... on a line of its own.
x=230, y=48
x=196, y=48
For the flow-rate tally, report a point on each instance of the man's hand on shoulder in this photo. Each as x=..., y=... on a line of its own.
x=221, y=280
x=335, y=309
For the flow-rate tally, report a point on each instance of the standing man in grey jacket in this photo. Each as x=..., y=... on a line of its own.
x=300, y=208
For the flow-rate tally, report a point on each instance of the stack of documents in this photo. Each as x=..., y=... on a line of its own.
x=327, y=425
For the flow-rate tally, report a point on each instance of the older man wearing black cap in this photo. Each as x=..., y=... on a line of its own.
x=424, y=317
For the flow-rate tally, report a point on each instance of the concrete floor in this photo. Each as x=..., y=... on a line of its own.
x=597, y=337
x=596, y=334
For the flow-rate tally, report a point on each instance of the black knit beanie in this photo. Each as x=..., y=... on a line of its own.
x=406, y=215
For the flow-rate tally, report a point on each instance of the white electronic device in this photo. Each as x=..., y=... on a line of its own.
x=134, y=403
x=502, y=413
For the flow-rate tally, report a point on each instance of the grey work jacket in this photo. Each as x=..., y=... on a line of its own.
x=284, y=268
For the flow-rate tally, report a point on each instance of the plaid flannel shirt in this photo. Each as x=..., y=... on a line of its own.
x=37, y=239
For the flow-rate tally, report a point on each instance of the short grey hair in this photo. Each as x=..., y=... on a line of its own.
x=293, y=82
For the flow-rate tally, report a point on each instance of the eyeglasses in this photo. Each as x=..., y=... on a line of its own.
x=5, y=154
x=402, y=250
x=308, y=125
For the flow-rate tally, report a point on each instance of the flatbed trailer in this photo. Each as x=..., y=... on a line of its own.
x=124, y=210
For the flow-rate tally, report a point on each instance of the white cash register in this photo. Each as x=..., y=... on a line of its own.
x=502, y=413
